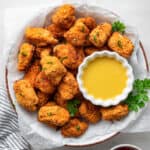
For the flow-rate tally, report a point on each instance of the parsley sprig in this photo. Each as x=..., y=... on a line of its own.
x=118, y=26
x=72, y=106
x=139, y=96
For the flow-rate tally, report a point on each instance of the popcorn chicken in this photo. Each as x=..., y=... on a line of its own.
x=68, y=88
x=67, y=55
x=41, y=52
x=114, y=112
x=53, y=69
x=56, y=30
x=26, y=95
x=25, y=56
x=100, y=34
x=64, y=16
x=51, y=103
x=74, y=128
x=90, y=50
x=88, y=21
x=43, y=98
x=44, y=84
x=59, y=100
x=32, y=72
x=53, y=115
x=78, y=35
x=89, y=112
x=121, y=44
x=40, y=36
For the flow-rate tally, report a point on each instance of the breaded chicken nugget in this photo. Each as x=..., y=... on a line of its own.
x=114, y=112
x=88, y=21
x=74, y=128
x=26, y=95
x=53, y=115
x=68, y=87
x=64, y=16
x=121, y=44
x=43, y=84
x=78, y=34
x=100, y=34
x=56, y=30
x=25, y=56
x=90, y=50
x=53, y=69
x=67, y=55
x=50, y=103
x=43, y=98
x=40, y=36
x=32, y=72
x=89, y=112
x=42, y=51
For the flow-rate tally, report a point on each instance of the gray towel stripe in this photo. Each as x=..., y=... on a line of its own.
x=9, y=137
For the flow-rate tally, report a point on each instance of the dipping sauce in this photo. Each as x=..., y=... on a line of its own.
x=104, y=78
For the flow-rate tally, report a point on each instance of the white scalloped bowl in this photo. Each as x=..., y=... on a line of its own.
x=129, y=83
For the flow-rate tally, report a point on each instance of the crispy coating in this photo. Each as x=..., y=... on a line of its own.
x=88, y=21
x=64, y=16
x=74, y=128
x=53, y=115
x=41, y=52
x=78, y=34
x=90, y=50
x=121, y=44
x=68, y=87
x=25, y=56
x=100, y=34
x=32, y=72
x=40, y=36
x=26, y=95
x=43, y=98
x=67, y=55
x=89, y=112
x=43, y=84
x=56, y=30
x=114, y=112
x=50, y=103
x=53, y=69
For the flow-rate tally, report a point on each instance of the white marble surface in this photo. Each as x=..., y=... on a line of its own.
x=137, y=13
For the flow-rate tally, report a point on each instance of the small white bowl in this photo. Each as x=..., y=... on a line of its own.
x=125, y=145
x=116, y=100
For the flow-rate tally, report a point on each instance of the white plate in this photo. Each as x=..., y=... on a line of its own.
x=34, y=130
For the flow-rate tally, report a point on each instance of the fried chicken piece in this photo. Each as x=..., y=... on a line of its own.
x=43, y=98
x=89, y=112
x=90, y=22
x=43, y=84
x=114, y=112
x=64, y=16
x=26, y=95
x=100, y=34
x=25, y=56
x=74, y=128
x=53, y=69
x=41, y=52
x=90, y=50
x=78, y=34
x=40, y=36
x=32, y=72
x=68, y=87
x=56, y=30
x=53, y=115
x=121, y=44
x=67, y=55
x=50, y=103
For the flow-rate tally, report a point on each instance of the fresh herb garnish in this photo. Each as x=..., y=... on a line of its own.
x=24, y=54
x=49, y=113
x=63, y=58
x=118, y=26
x=43, y=69
x=49, y=62
x=95, y=38
x=83, y=29
x=119, y=43
x=78, y=128
x=139, y=96
x=72, y=106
